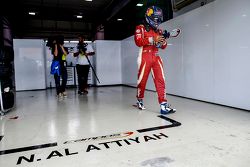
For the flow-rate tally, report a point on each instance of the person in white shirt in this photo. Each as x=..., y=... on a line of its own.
x=81, y=51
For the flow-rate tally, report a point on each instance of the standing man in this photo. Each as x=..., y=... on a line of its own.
x=82, y=51
x=149, y=38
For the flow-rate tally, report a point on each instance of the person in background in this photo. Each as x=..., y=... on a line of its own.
x=59, y=54
x=149, y=38
x=82, y=51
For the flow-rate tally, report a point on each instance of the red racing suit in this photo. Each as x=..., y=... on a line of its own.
x=149, y=61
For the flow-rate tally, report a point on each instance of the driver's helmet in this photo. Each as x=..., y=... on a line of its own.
x=154, y=16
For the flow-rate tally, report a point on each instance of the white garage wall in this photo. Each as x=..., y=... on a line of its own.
x=33, y=60
x=232, y=53
x=108, y=62
x=129, y=53
x=210, y=60
x=189, y=60
x=29, y=64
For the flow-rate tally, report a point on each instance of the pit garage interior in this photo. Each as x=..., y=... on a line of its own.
x=207, y=76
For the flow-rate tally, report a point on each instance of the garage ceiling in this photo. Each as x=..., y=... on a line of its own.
x=54, y=17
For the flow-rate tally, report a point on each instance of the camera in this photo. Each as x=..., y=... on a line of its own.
x=82, y=47
x=55, y=40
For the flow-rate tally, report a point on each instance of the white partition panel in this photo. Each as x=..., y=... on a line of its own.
x=195, y=63
x=29, y=64
x=108, y=62
x=210, y=59
x=129, y=52
x=232, y=53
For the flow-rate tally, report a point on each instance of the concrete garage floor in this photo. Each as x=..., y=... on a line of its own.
x=103, y=129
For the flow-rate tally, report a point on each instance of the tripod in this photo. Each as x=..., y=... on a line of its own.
x=92, y=69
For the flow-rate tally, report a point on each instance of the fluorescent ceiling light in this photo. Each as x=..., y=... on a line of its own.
x=78, y=16
x=78, y=41
x=32, y=13
x=73, y=41
x=88, y=0
x=139, y=4
x=119, y=19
